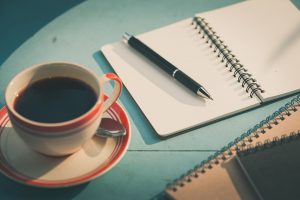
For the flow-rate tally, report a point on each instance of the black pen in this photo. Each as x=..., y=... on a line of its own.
x=166, y=66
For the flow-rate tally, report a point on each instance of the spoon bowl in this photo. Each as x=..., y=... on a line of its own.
x=110, y=128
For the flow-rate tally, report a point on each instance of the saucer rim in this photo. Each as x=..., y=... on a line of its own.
x=117, y=156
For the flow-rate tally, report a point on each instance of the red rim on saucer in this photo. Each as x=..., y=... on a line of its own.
x=93, y=160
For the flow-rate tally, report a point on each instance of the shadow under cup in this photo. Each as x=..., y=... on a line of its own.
x=59, y=138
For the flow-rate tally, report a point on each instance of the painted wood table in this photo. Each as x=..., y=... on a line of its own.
x=40, y=31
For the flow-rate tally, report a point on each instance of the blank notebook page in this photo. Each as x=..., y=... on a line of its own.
x=168, y=105
x=265, y=37
x=263, y=34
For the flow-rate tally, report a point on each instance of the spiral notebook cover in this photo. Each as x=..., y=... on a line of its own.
x=238, y=53
x=272, y=168
x=220, y=177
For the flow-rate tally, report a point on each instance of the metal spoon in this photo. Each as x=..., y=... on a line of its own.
x=110, y=128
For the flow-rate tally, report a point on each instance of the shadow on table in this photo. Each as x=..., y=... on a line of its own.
x=12, y=190
x=147, y=132
x=20, y=20
x=161, y=196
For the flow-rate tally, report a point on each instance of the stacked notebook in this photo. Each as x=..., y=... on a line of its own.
x=266, y=166
x=244, y=55
x=272, y=168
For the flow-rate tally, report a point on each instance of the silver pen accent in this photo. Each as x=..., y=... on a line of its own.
x=207, y=95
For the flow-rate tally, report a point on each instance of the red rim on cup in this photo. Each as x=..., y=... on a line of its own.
x=54, y=127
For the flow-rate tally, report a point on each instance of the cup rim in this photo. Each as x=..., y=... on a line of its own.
x=59, y=126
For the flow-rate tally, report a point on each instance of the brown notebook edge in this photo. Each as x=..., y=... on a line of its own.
x=274, y=126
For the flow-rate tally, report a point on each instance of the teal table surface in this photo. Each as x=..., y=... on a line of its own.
x=36, y=31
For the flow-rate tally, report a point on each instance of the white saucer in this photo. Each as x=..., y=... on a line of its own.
x=20, y=163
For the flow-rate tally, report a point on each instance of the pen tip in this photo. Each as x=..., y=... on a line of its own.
x=202, y=92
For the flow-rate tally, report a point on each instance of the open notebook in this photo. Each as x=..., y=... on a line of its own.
x=244, y=54
x=221, y=177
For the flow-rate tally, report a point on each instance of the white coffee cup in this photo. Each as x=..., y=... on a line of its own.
x=63, y=138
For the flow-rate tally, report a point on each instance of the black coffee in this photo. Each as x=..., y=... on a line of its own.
x=55, y=100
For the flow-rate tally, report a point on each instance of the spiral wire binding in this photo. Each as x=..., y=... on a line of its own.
x=250, y=149
x=228, y=57
x=243, y=142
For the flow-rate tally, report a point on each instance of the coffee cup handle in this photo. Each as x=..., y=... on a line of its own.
x=116, y=91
